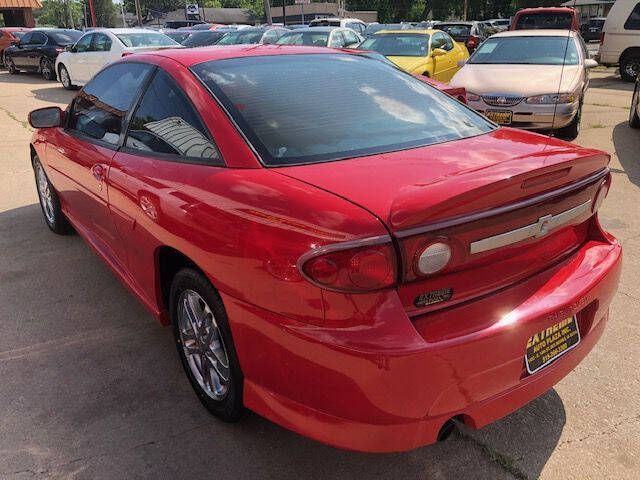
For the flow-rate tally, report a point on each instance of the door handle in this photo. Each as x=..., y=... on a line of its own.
x=98, y=172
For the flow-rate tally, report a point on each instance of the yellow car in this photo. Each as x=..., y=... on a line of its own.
x=420, y=52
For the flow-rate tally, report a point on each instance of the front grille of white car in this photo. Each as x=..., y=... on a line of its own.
x=501, y=100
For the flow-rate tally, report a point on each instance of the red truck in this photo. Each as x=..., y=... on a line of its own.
x=546, y=18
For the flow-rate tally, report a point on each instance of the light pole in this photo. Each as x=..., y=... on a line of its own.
x=267, y=11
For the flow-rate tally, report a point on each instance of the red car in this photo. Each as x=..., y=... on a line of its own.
x=10, y=36
x=338, y=246
x=545, y=18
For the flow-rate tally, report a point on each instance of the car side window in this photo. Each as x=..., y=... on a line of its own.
x=438, y=41
x=26, y=39
x=271, y=36
x=633, y=22
x=84, y=44
x=101, y=43
x=337, y=40
x=165, y=122
x=448, y=42
x=100, y=108
x=38, y=38
x=350, y=37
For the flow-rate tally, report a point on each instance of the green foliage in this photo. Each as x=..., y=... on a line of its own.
x=55, y=13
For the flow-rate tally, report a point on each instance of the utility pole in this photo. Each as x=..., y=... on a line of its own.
x=267, y=11
x=86, y=24
x=124, y=22
x=284, y=13
x=466, y=6
x=70, y=14
x=139, y=13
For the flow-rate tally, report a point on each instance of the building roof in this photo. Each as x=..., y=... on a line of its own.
x=20, y=4
x=216, y=15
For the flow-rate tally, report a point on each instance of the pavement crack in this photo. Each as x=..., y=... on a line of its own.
x=504, y=461
x=604, y=433
x=24, y=124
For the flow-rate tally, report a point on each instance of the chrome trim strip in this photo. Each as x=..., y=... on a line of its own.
x=535, y=230
x=334, y=247
x=472, y=217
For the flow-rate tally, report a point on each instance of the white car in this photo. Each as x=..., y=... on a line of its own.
x=97, y=48
x=620, y=39
x=354, y=24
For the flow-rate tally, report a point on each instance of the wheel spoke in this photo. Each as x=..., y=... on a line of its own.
x=221, y=370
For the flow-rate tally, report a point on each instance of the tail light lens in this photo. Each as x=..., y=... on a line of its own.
x=472, y=41
x=432, y=258
x=601, y=38
x=351, y=267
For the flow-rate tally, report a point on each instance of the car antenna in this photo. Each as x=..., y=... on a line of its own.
x=564, y=62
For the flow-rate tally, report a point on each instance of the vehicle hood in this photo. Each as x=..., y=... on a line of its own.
x=518, y=80
x=412, y=187
x=408, y=64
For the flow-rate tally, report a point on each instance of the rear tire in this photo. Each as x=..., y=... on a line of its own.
x=65, y=78
x=571, y=131
x=49, y=202
x=47, y=69
x=634, y=116
x=205, y=346
x=630, y=66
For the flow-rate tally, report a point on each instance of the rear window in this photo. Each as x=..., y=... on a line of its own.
x=633, y=22
x=201, y=39
x=377, y=108
x=531, y=21
x=18, y=34
x=398, y=44
x=458, y=32
x=241, y=37
x=67, y=37
x=149, y=39
x=301, y=37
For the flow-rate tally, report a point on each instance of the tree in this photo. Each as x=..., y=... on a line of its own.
x=55, y=13
x=105, y=13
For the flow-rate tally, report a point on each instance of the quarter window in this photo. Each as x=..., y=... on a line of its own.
x=165, y=122
x=633, y=22
x=101, y=106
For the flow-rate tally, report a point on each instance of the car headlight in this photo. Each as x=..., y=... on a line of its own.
x=552, y=98
x=474, y=97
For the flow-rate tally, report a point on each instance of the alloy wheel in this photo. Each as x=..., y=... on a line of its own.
x=202, y=344
x=44, y=193
x=64, y=77
x=632, y=68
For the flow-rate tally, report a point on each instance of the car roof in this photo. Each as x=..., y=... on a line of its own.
x=117, y=31
x=189, y=56
x=536, y=33
x=456, y=23
x=317, y=29
x=545, y=10
x=410, y=31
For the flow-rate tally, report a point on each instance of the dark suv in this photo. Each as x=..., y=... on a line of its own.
x=472, y=34
x=37, y=51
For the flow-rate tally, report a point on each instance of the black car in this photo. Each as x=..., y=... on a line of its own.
x=38, y=49
x=472, y=34
x=592, y=30
x=203, y=38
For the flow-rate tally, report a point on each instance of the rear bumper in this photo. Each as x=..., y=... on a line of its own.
x=356, y=389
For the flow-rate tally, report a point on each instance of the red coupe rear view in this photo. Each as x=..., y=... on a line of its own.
x=337, y=245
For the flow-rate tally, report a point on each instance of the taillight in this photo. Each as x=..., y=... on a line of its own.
x=432, y=258
x=472, y=41
x=359, y=266
x=601, y=38
x=601, y=194
x=59, y=50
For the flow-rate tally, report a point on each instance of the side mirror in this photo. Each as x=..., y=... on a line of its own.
x=461, y=63
x=46, y=117
x=590, y=63
x=438, y=52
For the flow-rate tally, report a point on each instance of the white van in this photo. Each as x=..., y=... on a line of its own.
x=620, y=38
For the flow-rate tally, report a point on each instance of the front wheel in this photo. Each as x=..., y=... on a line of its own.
x=634, y=115
x=205, y=346
x=47, y=69
x=630, y=66
x=65, y=78
x=49, y=201
x=11, y=67
x=571, y=131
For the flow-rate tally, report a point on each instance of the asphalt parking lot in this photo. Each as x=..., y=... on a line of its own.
x=91, y=387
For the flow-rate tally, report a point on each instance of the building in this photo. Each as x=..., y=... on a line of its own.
x=590, y=8
x=293, y=13
x=19, y=13
x=225, y=16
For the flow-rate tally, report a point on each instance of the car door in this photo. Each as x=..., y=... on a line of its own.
x=99, y=56
x=78, y=60
x=19, y=54
x=441, y=64
x=166, y=137
x=83, y=151
x=35, y=50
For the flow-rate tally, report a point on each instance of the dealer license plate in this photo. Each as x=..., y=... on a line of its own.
x=501, y=117
x=546, y=346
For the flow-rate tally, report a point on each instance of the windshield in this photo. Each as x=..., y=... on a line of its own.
x=66, y=37
x=241, y=36
x=201, y=39
x=18, y=34
x=458, y=32
x=398, y=44
x=178, y=36
x=377, y=108
x=318, y=39
x=529, y=21
x=527, y=50
x=376, y=27
x=146, y=39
